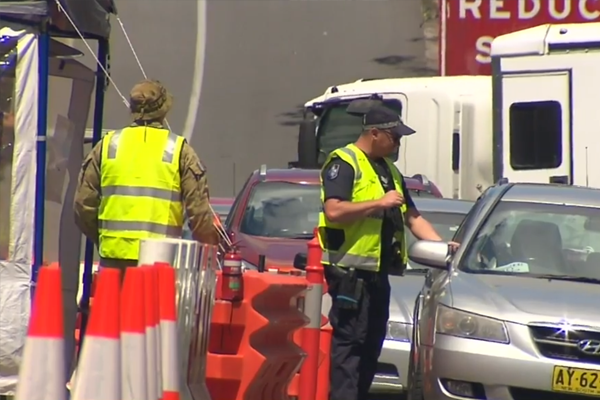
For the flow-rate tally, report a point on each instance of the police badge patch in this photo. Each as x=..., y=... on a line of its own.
x=333, y=172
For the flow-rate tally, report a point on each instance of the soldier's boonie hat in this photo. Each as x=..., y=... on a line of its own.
x=381, y=117
x=149, y=100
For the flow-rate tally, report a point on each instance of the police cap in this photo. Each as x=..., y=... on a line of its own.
x=381, y=117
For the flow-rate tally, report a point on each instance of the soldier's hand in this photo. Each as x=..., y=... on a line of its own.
x=392, y=199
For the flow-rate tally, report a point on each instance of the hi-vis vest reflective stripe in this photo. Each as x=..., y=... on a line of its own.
x=362, y=239
x=141, y=193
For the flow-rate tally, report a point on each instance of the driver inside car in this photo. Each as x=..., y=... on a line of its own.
x=489, y=258
x=536, y=247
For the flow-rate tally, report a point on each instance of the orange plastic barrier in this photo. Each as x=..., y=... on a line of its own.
x=250, y=354
x=323, y=364
x=299, y=387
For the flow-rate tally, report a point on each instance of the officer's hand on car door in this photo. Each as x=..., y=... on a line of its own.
x=392, y=199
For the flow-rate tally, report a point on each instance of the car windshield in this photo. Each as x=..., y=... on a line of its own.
x=282, y=210
x=537, y=239
x=445, y=224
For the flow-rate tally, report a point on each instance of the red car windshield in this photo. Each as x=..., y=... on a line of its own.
x=286, y=210
x=282, y=210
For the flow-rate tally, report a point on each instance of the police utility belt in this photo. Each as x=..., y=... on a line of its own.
x=352, y=280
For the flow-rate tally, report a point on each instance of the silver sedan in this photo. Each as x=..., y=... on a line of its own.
x=515, y=313
x=445, y=215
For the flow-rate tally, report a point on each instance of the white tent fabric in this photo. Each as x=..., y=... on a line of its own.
x=15, y=272
x=23, y=171
x=70, y=88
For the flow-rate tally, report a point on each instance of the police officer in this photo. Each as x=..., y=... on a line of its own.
x=361, y=229
x=138, y=182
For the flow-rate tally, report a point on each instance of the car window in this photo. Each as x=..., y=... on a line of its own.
x=537, y=239
x=237, y=204
x=471, y=217
x=282, y=210
x=445, y=224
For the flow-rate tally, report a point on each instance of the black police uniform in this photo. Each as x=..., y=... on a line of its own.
x=358, y=335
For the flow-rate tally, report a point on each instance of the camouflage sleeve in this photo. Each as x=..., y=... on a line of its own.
x=87, y=195
x=195, y=194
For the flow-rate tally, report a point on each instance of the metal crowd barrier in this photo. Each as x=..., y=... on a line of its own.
x=196, y=266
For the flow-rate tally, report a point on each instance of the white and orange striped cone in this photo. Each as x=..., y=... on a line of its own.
x=133, y=337
x=99, y=369
x=150, y=311
x=42, y=372
x=168, y=332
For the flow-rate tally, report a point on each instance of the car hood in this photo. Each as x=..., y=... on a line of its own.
x=278, y=252
x=524, y=300
x=405, y=290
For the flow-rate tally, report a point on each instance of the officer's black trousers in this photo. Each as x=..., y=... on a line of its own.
x=358, y=336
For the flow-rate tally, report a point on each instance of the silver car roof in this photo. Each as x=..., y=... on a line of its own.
x=553, y=194
x=430, y=204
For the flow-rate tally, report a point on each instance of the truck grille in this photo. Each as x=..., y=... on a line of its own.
x=556, y=343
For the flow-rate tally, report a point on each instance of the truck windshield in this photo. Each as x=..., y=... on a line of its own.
x=337, y=128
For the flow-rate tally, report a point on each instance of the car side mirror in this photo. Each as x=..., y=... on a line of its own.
x=300, y=261
x=430, y=253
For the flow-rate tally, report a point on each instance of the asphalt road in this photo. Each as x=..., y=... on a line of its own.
x=263, y=59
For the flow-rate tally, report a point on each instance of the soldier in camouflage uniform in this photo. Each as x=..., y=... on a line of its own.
x=140, y=182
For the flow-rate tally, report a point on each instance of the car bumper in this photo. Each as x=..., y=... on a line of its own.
x=392, y=367
x=504, y=372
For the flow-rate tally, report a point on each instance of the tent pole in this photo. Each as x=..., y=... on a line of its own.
x=97, y=134
x=40, y=176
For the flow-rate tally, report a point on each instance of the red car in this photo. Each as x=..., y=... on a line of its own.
x=277, y=210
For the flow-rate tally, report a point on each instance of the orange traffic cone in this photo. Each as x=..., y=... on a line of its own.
x=151, y=312
x=168, y=332
x=133, y=337
x=99, y=371
x=42, y=373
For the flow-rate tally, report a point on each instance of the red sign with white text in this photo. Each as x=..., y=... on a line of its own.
x=468, y=27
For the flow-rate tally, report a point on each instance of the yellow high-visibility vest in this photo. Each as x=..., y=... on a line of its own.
x=141, y=189
x=362, y=239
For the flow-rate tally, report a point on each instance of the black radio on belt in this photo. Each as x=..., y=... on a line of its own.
x=398, y=265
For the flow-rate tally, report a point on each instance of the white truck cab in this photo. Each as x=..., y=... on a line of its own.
x=440, y=109
x=536, y=119
x=546, y=96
